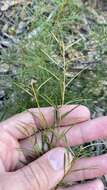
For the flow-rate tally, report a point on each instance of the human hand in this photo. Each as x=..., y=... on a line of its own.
x=48, y=170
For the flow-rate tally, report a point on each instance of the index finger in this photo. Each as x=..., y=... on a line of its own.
x=23, y=125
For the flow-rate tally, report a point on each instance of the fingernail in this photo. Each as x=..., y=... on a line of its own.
x=59, y=159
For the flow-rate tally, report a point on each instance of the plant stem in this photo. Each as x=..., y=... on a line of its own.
x=64, y=71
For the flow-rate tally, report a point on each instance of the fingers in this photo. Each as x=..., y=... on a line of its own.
x=75, y=135
x=83, y=132
x=94, y=185
x=44, y=173
x=22, y=125
x=88, y=168
x=87, y=131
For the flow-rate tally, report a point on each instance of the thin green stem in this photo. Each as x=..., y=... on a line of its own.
x=64, y=72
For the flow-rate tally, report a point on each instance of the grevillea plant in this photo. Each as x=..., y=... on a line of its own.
x=47, y=137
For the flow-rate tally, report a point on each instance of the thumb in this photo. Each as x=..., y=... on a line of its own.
x=44, y=173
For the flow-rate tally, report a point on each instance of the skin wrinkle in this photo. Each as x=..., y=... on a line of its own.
x=83, y=174
x=94, y=185
x=44, y=173
x=73, y=125
x=3, y=164
x=23, y=173
x=13, y=159
x=35, y=177
x=27, y=177
x=1, y=156
x=80, y=175
x=9, y=132
x=2, y=127
x=82, y=136
x=13, y=144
